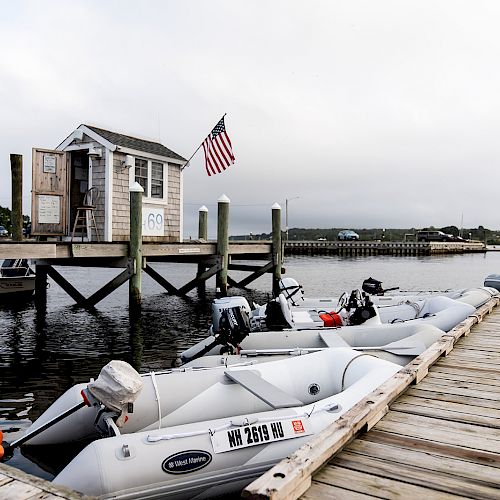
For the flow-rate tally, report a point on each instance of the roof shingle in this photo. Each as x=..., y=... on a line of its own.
x=143, y=145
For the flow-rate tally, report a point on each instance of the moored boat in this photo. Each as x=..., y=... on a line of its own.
x=17, y=280
x=236, y=324
x=398, y=343
x=293, y=400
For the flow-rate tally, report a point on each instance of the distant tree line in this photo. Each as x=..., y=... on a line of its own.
x=5, y=219
x=491, y=237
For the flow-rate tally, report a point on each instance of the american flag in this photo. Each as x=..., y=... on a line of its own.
x=218, y=150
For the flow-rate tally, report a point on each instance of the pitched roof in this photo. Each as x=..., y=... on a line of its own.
x=128, y=141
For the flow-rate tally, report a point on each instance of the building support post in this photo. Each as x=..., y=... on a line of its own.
x=16, y=166
x=223, y=242
x=135, y=250
x=277, y=248
x=202, y=236
x=41, y=273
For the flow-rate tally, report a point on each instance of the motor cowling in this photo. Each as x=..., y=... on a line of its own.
x=223, y=304
x=234, y=326
x=360, y=308
x=372, y=286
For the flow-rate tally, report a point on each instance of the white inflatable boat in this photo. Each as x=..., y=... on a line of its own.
x=236, y=321
x=294, y=294
x=398, y=343
x=251, y=418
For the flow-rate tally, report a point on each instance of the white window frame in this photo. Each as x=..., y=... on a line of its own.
x=149, y=198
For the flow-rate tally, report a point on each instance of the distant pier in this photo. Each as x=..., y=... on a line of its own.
x=369, y=248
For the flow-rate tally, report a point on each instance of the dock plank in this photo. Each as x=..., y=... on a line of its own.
x=373, y=484
x=445, y=396
x=428, y=461
x=420, y=474
x=332, y=491
x=466, y=415
x=428, y=446
x=16, y=484
x=19, y=491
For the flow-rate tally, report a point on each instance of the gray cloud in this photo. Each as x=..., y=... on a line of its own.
x=374, y=113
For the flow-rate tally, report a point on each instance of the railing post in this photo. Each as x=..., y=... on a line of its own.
x=202, y=236
x=16, y=166
x=135, y=250
x=277, y=248
x=223, y=242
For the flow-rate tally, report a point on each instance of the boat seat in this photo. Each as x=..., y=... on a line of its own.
x=267, y=392
x=333, y=339
x=299, y=318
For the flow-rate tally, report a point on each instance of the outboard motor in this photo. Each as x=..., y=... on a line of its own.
x=234, y=326
x=360, y=308
x=220, y=305
x=374, y=287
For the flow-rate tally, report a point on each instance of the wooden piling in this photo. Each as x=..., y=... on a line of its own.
x=202, y=236
x=135, y=251
x=41, y=285
x=277, y=248
x=223, y=242
x=16, y=166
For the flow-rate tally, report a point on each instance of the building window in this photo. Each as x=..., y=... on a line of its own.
x=156, y=180
x=141, y=174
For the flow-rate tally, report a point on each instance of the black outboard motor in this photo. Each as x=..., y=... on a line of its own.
x=234, y=326
x=374, y=287
x=363, y=312
x=360, y=308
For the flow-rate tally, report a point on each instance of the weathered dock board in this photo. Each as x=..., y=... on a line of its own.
x=437, y=439
x=17, y=485
x=367, y=248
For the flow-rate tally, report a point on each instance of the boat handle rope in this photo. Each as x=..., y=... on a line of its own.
x=415, y=306
x=157, y=395
x=349, y=364
x=261, y=420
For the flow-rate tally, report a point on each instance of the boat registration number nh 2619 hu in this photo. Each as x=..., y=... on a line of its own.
x=259, y=433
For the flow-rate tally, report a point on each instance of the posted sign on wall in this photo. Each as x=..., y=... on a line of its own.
x=49, y=209
x=153, y=221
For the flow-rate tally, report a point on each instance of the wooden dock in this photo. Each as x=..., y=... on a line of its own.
x=17, y=485
x=368, y=248
x=206, y=255
x=439, y=438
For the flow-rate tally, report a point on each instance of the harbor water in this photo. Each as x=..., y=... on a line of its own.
x=45, y=351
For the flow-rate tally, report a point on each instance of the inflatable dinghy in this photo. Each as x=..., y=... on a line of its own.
x=293, y=293
x=270, y=410
x=170, y=397
x=441, y=312
x=398, y=343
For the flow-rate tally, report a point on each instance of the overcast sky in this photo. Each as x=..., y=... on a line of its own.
x=372, y=113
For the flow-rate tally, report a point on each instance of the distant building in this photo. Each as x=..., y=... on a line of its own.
x=111, y=161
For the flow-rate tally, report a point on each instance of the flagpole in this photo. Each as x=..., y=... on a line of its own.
x=191, y=157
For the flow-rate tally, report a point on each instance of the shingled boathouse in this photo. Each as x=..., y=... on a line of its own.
x=92, y=157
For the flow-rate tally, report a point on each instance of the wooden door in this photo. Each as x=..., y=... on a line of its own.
x=49, y=193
